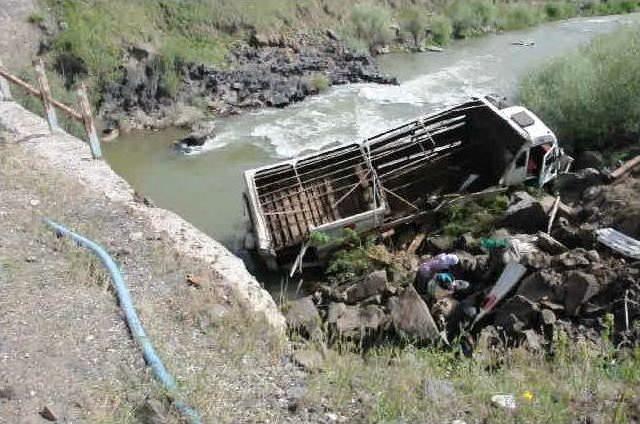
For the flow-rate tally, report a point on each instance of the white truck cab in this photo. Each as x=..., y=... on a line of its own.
x=539, y=159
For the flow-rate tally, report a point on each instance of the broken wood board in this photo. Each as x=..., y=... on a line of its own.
x=619, y=242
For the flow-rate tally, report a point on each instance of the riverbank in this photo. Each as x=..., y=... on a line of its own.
x=174, y=63
x=210, y=320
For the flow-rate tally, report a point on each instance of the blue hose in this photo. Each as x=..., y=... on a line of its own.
x=133, y=322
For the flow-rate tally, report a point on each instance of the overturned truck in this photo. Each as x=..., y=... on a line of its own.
x=392, y=178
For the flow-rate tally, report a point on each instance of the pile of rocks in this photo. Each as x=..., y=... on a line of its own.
x=267, y=71
x=570, y=280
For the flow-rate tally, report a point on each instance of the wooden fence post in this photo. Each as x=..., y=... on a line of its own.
x=87, y=119
x=45, y=95
x=5, y=93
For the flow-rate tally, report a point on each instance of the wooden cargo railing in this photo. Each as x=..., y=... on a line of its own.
x=50, y=104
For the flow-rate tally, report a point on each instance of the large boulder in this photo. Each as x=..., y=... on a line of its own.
x=525, y=214
x=375, y=283
x=580, y=287
x=571, y=186
x=302, y=315
x=357, y=322
x=541, y=285
x=411, y=317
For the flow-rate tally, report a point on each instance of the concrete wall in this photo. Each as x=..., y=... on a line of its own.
x=71, y=157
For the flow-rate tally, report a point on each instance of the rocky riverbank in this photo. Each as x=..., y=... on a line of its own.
x=266, y=71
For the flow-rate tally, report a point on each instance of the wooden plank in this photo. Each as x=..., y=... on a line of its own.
x=45, y=95
x=291, y=220
x=278, y=206
x=89, y=124
x=313, y=210
x=330, y=199
x=626, y=167
x=274, y=223
x=300, y=214
x=317, y=205
x=320, y=198
x=35, y=92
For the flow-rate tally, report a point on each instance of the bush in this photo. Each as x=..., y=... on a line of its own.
x=472, y=17
x=371, y=24
x=591, y=96
x=518, y=16
x=555, y=10
x=319, y=82
x=414, y=22
x=441, y=29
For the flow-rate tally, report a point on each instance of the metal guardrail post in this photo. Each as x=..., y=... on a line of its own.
x=87, y=119
x=5, y=92
x=45, y=95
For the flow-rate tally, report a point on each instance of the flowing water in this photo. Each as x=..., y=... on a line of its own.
x=206, y=188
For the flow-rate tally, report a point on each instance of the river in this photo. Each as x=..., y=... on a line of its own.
x=206, y=188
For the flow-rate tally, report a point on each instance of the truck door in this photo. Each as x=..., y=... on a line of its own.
x=550, y=165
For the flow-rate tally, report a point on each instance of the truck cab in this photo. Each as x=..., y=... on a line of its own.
x=539, y=159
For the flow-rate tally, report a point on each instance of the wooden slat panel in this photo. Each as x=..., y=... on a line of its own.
x=292, y=225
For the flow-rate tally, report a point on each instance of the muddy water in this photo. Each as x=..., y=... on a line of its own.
x=205, y=188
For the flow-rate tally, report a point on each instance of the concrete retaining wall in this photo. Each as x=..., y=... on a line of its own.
x=72, y=158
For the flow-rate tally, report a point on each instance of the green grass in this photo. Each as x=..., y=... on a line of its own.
x=590, y=97
x=100, y=32
x=390, y=384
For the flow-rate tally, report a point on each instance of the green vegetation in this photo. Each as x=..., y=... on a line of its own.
x=590, y=97
x=441, y=29
x=428, y=385
x=319, y=82
x=370, y=23
x=474, y=216
x=99, y=32
x=413, y=21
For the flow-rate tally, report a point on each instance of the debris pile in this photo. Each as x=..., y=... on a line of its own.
x=546, y=264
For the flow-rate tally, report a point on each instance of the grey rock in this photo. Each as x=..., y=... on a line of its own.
x=308, y=359
x=550, y=244
x=525, y=214
x=589, y=159
x=48, y=414
x=302, y=315
x=548, y=317
x=442, y=243
x=538, y=286
x=579, y=288
x=375, y=283
x=411, y=317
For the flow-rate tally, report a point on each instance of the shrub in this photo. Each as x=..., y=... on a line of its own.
x=555, y=10
x=440, y=29
x=590, y=96
x=518, y=16
x=370, y=24
x=319, y=82
x=414, y=21
x=472, y=17
x=35, y=18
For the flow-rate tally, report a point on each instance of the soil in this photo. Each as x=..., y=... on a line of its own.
x=63, y=343
x=19, y=39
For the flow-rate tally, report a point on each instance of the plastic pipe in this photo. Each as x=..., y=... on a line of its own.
x=133, y=322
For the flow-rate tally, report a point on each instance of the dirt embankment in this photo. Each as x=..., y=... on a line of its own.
x=64, y=344
x=19, y=39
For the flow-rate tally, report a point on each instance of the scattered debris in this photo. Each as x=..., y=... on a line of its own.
x=194, y=280
x=619, y=242
x=48, y=414
x=507, y=401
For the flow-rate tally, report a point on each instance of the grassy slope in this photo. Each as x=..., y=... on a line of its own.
x=203, y=30
x=591, y=96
